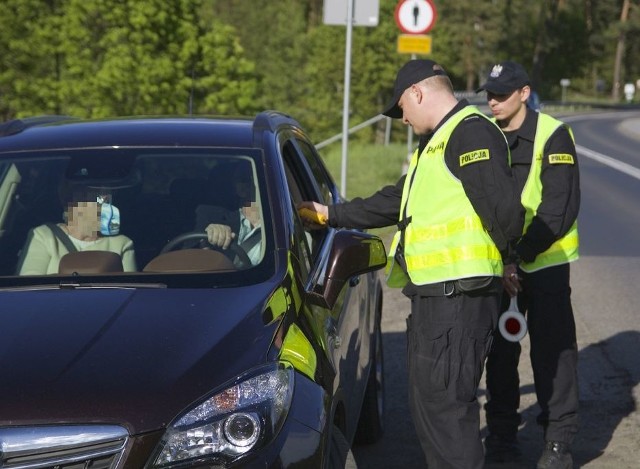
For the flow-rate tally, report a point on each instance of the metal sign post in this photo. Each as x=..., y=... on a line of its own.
x=345, y=101
x=365, y=13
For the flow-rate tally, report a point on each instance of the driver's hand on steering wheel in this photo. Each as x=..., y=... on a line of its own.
x=220, y=235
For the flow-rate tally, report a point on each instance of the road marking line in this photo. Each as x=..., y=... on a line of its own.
x=611, y=162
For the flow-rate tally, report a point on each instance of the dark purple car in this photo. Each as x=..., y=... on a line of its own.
x=163, y=306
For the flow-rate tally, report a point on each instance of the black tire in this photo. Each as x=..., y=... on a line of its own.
x=340, y=454
x=371, y=422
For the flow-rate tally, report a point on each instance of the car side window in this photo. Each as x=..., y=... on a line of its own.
x=302, y=187
x=303, y=239
x=319, y=173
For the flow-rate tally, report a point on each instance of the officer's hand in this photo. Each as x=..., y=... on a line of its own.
x=510, y=279
x=314, y=215
x=220, y=235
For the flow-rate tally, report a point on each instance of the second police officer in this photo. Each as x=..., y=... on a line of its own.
x=545, y=165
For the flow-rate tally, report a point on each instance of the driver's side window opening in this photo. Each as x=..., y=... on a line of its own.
x=300, y=190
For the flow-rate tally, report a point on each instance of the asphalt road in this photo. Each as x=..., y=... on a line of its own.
x=604, y=283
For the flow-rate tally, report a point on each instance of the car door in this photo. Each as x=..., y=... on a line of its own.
x=347, y=327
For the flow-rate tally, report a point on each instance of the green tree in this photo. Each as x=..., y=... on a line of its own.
x=273, y=36
x=152, y=57
x=30, y=57
x=116, y=57
x=465, y=40
x=627, y=29
x=94, y=58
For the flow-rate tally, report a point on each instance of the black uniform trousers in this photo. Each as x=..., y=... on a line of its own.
x=448, y=340
x=546, y=301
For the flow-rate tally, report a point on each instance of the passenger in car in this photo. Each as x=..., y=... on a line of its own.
x=241, y=225
x=81, y=230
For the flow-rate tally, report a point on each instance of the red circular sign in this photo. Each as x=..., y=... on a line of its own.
x=415, y=16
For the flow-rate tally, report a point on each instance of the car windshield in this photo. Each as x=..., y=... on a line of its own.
x=134, y=214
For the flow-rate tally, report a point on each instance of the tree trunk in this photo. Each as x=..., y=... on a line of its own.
x=548, y=15
x=615, y=92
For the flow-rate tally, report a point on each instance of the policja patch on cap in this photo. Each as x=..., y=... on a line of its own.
x=505, y=78
x=411, y=73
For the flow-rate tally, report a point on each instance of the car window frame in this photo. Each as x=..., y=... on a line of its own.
x=303, y=185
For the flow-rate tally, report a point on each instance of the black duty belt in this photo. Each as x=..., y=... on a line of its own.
x=455, y=287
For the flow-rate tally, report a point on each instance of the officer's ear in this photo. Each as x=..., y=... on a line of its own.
x=525, y=92
x=417, y=93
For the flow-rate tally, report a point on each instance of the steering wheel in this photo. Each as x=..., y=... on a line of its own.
x=198, y=235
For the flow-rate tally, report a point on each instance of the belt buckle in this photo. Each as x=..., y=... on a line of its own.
x=450, y=293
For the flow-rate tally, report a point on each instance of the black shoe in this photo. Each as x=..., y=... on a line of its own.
x=556, y=455
x=500, y=449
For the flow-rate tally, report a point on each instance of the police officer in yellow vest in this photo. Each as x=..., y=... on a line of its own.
x=458, y=214
x=543, y=158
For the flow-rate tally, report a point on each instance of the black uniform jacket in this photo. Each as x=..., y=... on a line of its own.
x=560, y=186
x=488, y=185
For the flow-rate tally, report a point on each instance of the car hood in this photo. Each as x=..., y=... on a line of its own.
x=132, y=357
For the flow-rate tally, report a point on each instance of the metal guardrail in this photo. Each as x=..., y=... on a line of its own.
x=471, y=96
x=352, y=130
x=479, y=100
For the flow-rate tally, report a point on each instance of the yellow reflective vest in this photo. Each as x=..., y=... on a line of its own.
x=444, y=239
x=566, y=248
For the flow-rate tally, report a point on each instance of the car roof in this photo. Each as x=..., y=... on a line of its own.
x=58, y=132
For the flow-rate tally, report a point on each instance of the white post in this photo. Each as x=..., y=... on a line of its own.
x=565, y=82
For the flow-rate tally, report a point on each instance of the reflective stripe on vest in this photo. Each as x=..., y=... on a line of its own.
x=445, y=239
x=566, y=248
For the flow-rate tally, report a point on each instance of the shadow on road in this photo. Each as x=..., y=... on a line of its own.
x=606, y=398
x=607, y=381
x=399, y=446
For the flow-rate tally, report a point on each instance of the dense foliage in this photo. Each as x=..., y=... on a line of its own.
x=94, y=58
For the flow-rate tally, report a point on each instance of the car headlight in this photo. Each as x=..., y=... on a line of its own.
x=228, y=424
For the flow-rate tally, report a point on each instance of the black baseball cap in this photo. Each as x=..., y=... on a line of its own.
x=505, y=78
x=411, y=73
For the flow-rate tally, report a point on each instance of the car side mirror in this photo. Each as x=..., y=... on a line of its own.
x=352, y=253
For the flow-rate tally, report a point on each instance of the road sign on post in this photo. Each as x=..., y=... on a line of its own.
x=415, y=16
x=365, y=12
